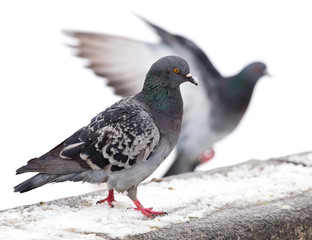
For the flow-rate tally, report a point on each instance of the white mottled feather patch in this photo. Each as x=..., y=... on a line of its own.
x=71, y=146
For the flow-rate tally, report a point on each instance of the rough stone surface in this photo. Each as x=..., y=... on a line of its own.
x=290, y=218
x=273, y=200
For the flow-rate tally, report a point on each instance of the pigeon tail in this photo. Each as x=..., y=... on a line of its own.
x=35, y=182
x=43, y=178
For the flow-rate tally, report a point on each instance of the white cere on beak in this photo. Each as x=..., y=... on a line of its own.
x=188, y=75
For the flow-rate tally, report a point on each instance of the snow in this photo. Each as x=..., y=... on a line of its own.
x=183, y=199
x=47, y=95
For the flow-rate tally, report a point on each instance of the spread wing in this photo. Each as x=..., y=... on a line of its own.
x=123, y=62
x=116, y=139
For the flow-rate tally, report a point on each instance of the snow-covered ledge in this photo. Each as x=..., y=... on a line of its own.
x=255, y=200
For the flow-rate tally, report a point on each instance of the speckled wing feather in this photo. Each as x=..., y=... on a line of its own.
x=117, y=138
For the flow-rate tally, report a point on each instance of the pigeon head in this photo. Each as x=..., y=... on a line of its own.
x=237, y=90
x=254, y=71
x=161, y=87
x=169, y=72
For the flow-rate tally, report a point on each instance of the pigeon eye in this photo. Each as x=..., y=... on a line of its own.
x=176, y=70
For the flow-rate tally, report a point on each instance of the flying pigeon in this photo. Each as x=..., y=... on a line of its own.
x=124, y=144
x=210, y=113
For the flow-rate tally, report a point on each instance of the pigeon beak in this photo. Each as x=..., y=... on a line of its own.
x=191, y=79
x=266, y=73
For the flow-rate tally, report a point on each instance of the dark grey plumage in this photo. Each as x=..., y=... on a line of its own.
x=211, y=112
x=124, y=144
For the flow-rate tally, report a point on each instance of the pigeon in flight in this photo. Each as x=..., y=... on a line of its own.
x=124, y=144
x=210, y=113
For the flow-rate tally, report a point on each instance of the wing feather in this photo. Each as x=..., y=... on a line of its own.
x=118, y=59
x=116, y=139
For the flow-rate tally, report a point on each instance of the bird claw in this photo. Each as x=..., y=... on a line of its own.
x=106, y=200
x=207, y=155
x=109, y=199
x=147, y=211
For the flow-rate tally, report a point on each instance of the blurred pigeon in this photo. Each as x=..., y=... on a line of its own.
x=124, y=144
x=210, y=113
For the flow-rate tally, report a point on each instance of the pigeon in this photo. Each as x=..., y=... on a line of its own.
x=210, y=113
x=124, y=144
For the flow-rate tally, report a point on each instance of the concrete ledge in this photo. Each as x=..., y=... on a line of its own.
x=255, y=200
x=289, y=218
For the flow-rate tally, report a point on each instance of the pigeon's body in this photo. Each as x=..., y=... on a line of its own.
x=209, y=113
x=220, y=116
x=124, y=144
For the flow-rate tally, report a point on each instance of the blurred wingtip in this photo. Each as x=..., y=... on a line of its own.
x=68, y=32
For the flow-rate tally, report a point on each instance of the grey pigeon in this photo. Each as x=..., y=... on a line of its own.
x=124, y=144
x=210, y=113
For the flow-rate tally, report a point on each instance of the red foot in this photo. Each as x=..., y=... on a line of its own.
x=207, y=155
x=146, y=211
x=109, y=199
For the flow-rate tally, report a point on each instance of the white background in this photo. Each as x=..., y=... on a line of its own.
x=46, y=94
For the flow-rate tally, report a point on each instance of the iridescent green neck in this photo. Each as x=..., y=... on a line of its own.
x=162, y=98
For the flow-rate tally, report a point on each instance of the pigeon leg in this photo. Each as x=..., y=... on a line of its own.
x=109, y=199
x=207, y=155
x=146, y=211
